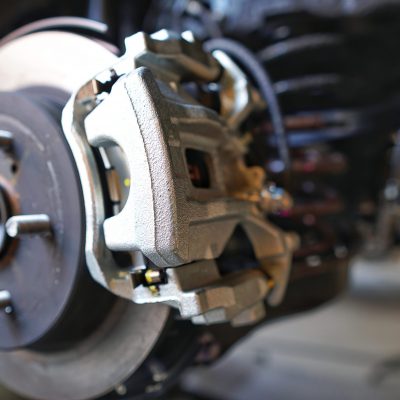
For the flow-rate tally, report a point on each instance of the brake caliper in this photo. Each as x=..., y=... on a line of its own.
x=157, y=141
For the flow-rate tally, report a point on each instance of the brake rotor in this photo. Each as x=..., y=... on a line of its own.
x=46, y=275
x=40, y=179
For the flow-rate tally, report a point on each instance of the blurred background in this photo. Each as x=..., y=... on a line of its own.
x=346, y=349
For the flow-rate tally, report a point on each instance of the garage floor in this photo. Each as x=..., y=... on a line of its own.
x=348, y=349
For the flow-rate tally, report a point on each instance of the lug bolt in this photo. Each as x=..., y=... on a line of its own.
x=6, y=139
x=38, y=224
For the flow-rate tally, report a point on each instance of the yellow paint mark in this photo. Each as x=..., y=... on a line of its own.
x=155, y=291
x=127, y=182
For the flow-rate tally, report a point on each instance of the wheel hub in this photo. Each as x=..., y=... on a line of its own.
x=38, y=178
x=68, y=331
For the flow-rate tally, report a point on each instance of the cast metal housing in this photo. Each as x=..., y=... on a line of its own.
x=139, y=110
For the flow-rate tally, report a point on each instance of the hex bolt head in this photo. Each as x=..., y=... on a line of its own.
x=37, y=224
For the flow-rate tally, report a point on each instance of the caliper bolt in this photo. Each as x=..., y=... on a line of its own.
x=153, y=278
x=37, y=224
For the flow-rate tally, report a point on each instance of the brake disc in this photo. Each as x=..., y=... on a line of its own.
x=77, y=342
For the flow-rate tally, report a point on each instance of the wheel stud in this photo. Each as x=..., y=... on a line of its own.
x=6, y=139
x=38, y=224
x=5, y=301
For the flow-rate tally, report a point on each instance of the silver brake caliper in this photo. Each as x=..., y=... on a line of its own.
x=177, y=178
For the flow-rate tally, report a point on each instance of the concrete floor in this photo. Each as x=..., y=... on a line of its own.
x=348, y=349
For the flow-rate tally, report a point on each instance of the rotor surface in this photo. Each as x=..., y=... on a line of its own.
x=41, y=178
x=38, y=178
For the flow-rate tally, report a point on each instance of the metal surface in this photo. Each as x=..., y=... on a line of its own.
x=200, y=293
x=157, y=128
x=159, y=139
x=4, y=211
x=5, y=301
x=93, y=367
x=53, y=66
x=5, y=139
x=164, y=212
x=57, y=24
x=42, y=271
x=78, y=370
x=20, y=225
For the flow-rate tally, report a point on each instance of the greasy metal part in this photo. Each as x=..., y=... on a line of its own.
x=166, y=215
x=28, y=224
